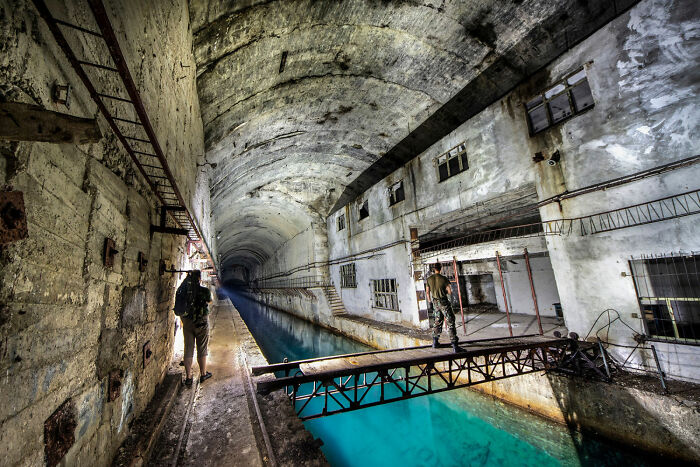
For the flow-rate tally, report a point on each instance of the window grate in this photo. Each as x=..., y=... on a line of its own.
x=452, y=162
x=668, y=290
x=384, y=294
x=348, y=276
x=567, y=98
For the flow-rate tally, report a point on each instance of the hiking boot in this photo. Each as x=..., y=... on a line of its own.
x=436, y=342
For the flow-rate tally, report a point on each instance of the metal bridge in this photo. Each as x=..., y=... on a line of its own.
x=326, y=386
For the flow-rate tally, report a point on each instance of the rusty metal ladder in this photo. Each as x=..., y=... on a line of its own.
x=127, y=117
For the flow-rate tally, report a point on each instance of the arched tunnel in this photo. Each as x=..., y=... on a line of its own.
x=382, y=199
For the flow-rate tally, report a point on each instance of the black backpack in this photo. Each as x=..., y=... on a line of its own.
x=183, y=298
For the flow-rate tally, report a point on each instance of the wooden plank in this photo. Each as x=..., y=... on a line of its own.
x=27, y=122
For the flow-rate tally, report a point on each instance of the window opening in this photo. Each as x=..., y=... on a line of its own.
x=569, y=97
x=341, y=222
x=364, y=209
x=385, y=296
x=668, y=290
x=396, y=193
x=348, y=276
x=452, y=162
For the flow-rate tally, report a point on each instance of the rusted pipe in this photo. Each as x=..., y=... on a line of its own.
x=503, y=288
x=532, y=289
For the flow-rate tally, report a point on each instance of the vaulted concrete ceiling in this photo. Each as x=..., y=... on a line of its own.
x=366, y=85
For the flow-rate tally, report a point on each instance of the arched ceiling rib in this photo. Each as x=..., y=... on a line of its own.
x=367, y=84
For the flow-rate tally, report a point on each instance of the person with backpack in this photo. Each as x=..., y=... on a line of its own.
x=192, y=306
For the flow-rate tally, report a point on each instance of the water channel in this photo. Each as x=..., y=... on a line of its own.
x=454, y=428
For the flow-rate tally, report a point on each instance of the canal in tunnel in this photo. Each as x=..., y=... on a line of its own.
x=454, y=428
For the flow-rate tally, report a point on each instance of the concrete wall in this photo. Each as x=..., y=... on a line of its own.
x=66, y=320
x=642, y=73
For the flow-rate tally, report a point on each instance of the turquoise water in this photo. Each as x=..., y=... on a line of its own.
x=454, y=428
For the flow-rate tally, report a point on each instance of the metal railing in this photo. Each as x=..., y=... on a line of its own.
x=292, y=283
x=671, y=207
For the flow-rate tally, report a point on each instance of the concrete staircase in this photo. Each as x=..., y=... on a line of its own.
x=336, y=304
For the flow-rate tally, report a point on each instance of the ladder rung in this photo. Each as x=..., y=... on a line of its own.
x=77, y=28
x=133, y=138
x=97, y=65
x=116, y=98
x=127, y=121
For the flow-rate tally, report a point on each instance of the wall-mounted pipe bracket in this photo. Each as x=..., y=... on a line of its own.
x=13, y=219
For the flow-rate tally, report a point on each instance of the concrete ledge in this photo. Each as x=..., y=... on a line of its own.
x=137, y=448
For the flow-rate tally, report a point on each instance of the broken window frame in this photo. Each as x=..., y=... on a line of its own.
x=363, y=210
x=454, y=162
x=542, y=101
x=341, y=222
x=396, y=193
x=348, y=276
x=674, y=314
x=384, y=294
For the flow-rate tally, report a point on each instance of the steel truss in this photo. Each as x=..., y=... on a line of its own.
x=348, y=390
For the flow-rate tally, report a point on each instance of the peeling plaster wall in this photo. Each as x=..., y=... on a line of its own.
x=643, y=75
x=66, y=320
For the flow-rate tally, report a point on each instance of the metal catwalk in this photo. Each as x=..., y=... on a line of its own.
x=326, y=386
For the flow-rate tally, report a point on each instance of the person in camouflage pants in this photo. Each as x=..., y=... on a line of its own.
x=195, y=327
x=439, y=291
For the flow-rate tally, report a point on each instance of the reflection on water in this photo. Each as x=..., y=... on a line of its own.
x=454, y=428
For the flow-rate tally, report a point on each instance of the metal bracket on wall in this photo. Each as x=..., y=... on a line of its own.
x=143, y=262
x=109, y=252
x=115, y=385
x=59, y=433
x=147, y=354
x=163, y=228
x=13, y=219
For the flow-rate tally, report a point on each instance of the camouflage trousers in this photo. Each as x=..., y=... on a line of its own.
x=443, y=312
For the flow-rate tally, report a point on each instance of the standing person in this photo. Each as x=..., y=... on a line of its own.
x=195, y=325
x=438, y=293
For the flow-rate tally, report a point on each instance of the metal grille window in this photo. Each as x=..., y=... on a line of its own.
x=384, y=294
x=569, y=97
x=341, y=222
x=668, y=289
x=364, y=209
x=396, y=193
x=348, y=276
x=452, y=162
